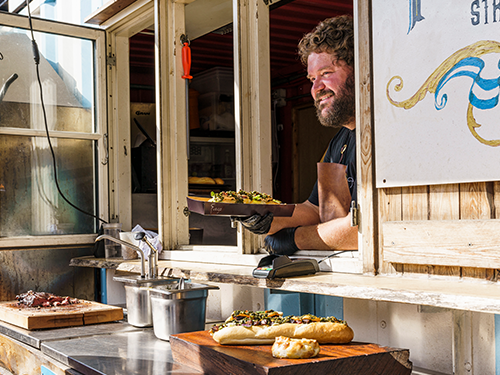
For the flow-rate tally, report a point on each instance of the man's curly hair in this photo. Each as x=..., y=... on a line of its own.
x=333, y=35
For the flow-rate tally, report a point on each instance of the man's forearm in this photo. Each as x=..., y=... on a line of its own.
x=335, y=234
x=304, y=214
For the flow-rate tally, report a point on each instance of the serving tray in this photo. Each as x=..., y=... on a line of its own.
x=199, y=351
x=202, y=206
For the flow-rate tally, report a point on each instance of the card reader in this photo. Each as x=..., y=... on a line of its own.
x=274, y=266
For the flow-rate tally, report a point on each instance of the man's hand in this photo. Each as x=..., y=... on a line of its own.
x=256, y=223
x=282, y=242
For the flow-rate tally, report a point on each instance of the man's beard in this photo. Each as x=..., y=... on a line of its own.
x=341, y=110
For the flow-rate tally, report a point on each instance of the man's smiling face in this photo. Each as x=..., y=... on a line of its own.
x=332, y=89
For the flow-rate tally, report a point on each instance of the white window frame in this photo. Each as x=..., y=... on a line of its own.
x=98, y=37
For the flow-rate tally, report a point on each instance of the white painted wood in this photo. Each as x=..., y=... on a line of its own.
x=483, y=339
x=53, y=27
x=467, y=243
x=252, y=94
x=120, y=194
x=136, y=18
x=367, y=194
x=52, y=134
x=171, y=124
x=462, y=343
x=135, y=11
x=39, y=242
x=204, y=16
x=102, y=113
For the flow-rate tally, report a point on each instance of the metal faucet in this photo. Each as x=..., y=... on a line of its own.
x=153, y=255
x=136, y=248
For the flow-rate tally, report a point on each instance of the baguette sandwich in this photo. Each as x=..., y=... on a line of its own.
x=262, y=327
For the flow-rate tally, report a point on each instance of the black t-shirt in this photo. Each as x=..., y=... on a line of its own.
x=333, y=154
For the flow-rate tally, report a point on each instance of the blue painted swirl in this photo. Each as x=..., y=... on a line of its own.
x=469, y=67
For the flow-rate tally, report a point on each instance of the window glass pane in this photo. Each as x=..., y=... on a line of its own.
x=67, y=76
x=29, y=201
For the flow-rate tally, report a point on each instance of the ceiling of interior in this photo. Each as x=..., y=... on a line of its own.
x=289, y=21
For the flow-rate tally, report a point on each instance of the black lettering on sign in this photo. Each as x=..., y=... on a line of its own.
x=1, y=56
x=476, y=10
x=496, y=9
x=473, y=10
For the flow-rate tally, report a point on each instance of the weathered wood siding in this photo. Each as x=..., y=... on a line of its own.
x=458, y=215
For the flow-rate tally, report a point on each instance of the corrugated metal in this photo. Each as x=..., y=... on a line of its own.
x=289, y=21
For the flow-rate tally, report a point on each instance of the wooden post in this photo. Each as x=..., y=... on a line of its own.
x=252, y=99
x=171, y=124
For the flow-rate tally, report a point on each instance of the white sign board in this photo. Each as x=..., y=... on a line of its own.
x=436, y=90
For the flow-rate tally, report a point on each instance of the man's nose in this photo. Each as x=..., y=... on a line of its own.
x=316, y=87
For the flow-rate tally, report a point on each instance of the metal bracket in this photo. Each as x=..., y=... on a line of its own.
x=106, y=149
x=111, y=59
x=354, y=214
x=186, y=212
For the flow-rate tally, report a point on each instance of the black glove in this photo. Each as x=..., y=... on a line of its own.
x=256, y=223
x=282, y=242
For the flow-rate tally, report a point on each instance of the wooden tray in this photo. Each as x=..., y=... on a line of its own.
x=84, y=313
x=199, y=351
x=202, y=206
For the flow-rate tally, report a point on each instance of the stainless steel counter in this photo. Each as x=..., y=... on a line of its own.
x=110, y=349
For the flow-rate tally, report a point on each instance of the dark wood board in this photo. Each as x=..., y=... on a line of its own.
x=202, y=206
x=84, y=313
x=199, y=351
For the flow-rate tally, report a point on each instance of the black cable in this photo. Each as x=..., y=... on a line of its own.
x=332, y=255
x=36, y=56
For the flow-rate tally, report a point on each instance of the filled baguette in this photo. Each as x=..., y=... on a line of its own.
x=262, y=327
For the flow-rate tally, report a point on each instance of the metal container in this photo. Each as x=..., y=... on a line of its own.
x=137, y=297
x=138, y=305
x=178, y=308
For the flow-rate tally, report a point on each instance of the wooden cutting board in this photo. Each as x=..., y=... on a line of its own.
x=199, y=351
x=84, y=313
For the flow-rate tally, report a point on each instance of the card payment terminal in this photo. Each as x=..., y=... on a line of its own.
x=273, y=266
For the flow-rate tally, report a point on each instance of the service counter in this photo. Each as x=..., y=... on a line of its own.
x=450, y=294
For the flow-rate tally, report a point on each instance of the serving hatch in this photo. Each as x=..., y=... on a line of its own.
x=201, y=205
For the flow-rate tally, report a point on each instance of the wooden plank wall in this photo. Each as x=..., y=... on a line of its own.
x=472, y=201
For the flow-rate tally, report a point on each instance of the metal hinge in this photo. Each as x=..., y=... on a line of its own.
x=354, y=214
x=111, y=59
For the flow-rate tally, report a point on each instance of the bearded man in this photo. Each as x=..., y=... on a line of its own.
x=320, y=223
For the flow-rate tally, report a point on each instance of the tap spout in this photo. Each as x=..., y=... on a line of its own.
x=153, y=255
x=124, y=243
x=6, y=85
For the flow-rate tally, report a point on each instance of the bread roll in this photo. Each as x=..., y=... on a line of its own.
x=201, y=180
x=286, y=347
